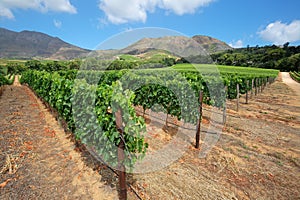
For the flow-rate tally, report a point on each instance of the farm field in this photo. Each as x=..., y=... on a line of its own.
x=257, y=155
x=149, y=100
x=222, y=69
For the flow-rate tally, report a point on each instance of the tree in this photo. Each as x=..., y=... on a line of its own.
x=294, y=62
x=285, y=45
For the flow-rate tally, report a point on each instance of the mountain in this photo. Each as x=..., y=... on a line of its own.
x=31, y=44
x=211, y=45
x=178, y=45
x=36, y=45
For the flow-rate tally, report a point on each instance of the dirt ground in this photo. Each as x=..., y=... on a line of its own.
x=256, y=155
x=37, y=161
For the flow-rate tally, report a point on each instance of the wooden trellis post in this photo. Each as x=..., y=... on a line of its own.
x=261, y=85
x=199, y=121
x=247, y=93
x=256, y=89
x=121, y=157
x=252, y=85
x=224, y=108
x=237, y=97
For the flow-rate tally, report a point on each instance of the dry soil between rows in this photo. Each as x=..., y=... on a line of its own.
x=37, y=161
x=256, y=155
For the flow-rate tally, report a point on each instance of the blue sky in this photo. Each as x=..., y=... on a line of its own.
x=88, y=23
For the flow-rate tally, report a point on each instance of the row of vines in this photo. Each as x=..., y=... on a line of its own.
x=87, y=100
x=89, y=111
x=99, y=106
x=5, y=80
x=295, y=76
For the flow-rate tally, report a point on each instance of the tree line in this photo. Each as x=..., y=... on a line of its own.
x=49, y=66
x=283, y=58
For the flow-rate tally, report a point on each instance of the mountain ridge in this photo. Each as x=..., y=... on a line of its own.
x=178, y=45
x=37, y=45
x=31, y=44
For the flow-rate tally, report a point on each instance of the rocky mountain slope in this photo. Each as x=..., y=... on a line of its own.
x=36, y=45
x=31, y=44
x=178, y=45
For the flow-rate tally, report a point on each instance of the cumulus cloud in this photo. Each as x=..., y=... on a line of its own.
x=5, y=12
x=181, y=7
x=280, y=33
x=57, y=23
x=237, y=44
x=120, y=11
x=7, y=6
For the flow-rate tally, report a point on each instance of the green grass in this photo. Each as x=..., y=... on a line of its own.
x=149, y=56
x=129, y=57
x=156, y=55
x=220, y=69
x=6, y=61
x=210, y=68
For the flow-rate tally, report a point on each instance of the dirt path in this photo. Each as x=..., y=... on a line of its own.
x=286, y=78
x=37, y=161
x=16, y=81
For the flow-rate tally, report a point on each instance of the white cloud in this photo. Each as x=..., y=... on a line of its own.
x=280, y=33
x=237, y=44
x=59, y=6
x=57, y=23
x=181, y=7
x=7, y=6
x=4, y=12
x=120, y=11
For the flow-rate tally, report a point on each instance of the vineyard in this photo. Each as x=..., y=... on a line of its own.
x=295, y=76
x=177, y=90
x=88, y=100
x=91, y=102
